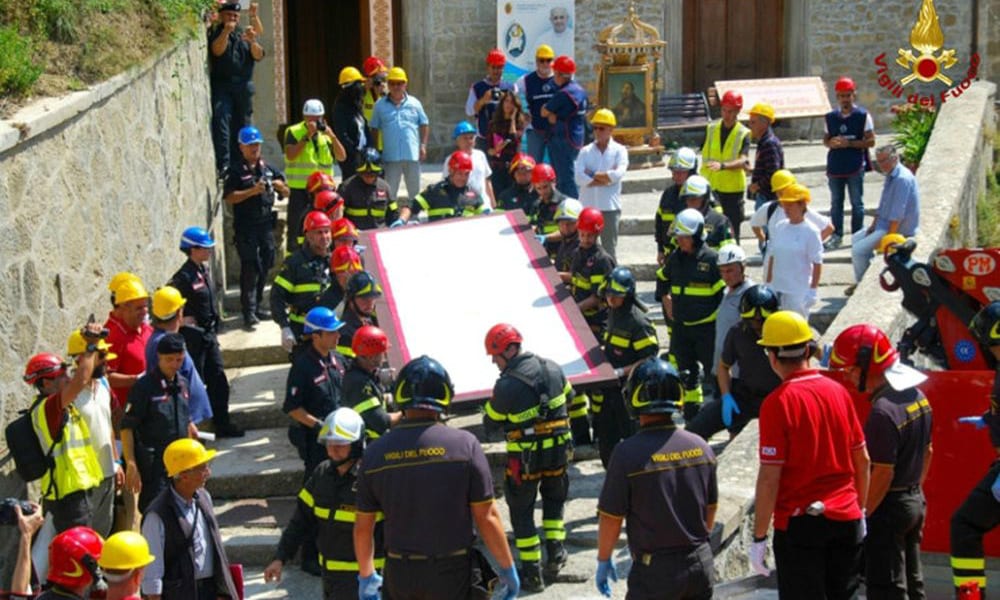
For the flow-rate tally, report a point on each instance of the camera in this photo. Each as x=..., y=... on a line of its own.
x=321, y=125
x=496, y=94
x=268, y=186
x=7, y=514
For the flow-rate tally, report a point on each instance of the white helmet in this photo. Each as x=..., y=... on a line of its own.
x=569, y=210
x=689, y=222
x=730, y=254
x=313, y=108
x=342, y=426
x=683, y=158
x=696, y=185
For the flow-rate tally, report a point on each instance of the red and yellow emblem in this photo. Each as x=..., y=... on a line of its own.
x=927, y=37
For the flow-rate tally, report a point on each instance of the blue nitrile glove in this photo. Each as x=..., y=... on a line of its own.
x=541, y=237
x=369, y=588
x=995, y=488
x=511, y=583
x=978, y=421
x=397, y=223
x=605, y=572
x=729, y=407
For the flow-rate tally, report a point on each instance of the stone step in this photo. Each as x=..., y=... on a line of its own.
x=241, y=348
x=256, y=395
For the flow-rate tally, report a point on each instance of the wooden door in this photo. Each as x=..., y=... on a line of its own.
x=731, y=39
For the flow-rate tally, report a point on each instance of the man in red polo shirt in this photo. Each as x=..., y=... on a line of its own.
x=128, y=334
x=813, y=476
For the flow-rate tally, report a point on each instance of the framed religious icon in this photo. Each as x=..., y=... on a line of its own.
x=628, y=92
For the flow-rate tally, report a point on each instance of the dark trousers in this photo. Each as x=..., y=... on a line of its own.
x=71, y=510
x=255, y=245
x=312, y=453
x=681, y=575
x=154, y=478
x=708, y=421
x=298, y=204
x=612, y=424
x=855, y=186
x=892, y=547
x=340, y=585
x=521, y=502
x=500, y=179
x=978, y=515
x=563, y=154
x=818, y=558
x=232, y=107
x=732, y=207
x=447, y=578
x=693, y=346
x=203, y=347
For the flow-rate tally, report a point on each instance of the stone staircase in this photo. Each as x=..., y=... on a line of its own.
x=255, y=479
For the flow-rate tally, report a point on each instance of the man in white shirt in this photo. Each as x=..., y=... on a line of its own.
x=598, y=170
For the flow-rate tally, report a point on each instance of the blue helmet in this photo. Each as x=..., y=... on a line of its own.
x=250, y=135
x=319, y=319
x=424, y=383
x=196, y=237
x=462, y=128
x=653, y=387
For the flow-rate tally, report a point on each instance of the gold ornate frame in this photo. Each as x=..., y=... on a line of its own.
x=611, y=80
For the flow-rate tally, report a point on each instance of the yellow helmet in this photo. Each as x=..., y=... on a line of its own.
x=124, y=551
x=794, y=193
x=604, y=116
x=121, y=278
x=77, y=345
x=763, y=109
x=785, y=328
x=889, y=240
x=349, y=75
x=184, y=454
x=781, y=179
x=397, y=74
x=545, y=51
x=131, y=289
x=166, y=302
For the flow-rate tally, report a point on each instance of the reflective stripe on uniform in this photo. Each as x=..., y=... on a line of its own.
x=554, y=529
x=644, y=342
x=700, y=290
x=367, y=404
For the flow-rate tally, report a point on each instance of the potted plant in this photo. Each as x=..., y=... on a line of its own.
x=912, y=124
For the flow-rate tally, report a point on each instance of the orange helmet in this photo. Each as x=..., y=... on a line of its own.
x=732, y=99
x=319, y=180
x=73, y=556
x=344, y=228
x=543, y=172
x=369, y=341
x=345, y=258
x=496, y=58
x=500, y=336
x=459, y=161
x=591, y=221
x=315, y=220
x=327, y=201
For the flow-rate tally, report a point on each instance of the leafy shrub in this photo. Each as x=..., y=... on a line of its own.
x=18, y=70
x=913, y=124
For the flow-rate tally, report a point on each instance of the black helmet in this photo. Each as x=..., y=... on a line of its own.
x=371, y=161
x=424, y=383
x=758, y=298
x=654, y=387
x=985, y=326
x=621, y=282
x=362, y=284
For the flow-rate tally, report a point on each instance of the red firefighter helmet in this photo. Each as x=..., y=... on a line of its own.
x=459, y=161
x=543, y=172
x=564, y=64
x=345, y=258
x=369, y=341
x=373, y=65
x=73, y=556
x=591, y=220
x=732, y=98
x=844, y=84
x=327, y=201
x=44, y=366
x=315, y=220
x=319, y=180
x=343, y=227
x=500, y=336
x=863, y=345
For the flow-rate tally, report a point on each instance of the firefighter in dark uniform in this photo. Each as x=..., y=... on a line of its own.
x=591, y=265
x=980, y=513
x=366, y=380
x=194, y=282
x=157, y=414
x=450, y=197
x=326, y=504
x=898, y=437
x=312, y=391
x=250, y=189
x=529, y=402
x=362, y=292
x=745, y=374
x=302, y=280
x=697, y=194
x=521, y=194
x=690, y=288
x=368, y=201
x=662, y=483
x=433, y=484
x=683, y=164
x=543, y=180
x=629, y=339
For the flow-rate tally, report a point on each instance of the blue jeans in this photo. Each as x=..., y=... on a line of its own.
x=537, y=144
x=563, y=155
x=759, y=200
x=855, y=187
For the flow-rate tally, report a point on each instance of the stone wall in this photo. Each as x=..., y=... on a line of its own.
x=94, y=183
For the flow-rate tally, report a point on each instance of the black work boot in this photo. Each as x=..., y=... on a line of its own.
x=555, y=560
x=531, y=578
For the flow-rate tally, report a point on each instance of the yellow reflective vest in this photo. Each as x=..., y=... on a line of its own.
x=76, y=465
x=315, y=156
x=725, y=180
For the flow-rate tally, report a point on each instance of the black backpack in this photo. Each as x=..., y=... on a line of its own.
x=30, y=460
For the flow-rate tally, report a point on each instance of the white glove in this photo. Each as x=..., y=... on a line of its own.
x=756, y=554
x=287, y=339
x=810, y=299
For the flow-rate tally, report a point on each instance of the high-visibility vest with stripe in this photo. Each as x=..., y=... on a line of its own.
x=76, y=465
x=724, y=180
x=315, y=156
